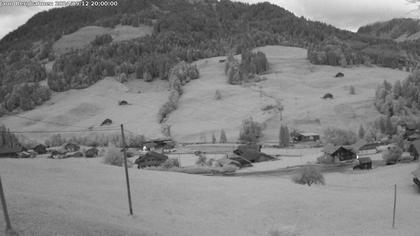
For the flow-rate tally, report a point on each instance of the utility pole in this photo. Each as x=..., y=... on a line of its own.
x=126, y=170
x=9, y=230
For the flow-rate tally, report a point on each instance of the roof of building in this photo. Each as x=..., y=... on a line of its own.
x=309, y=134
x=331, y=149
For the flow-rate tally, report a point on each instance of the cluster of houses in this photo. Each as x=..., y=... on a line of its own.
x=65, y=151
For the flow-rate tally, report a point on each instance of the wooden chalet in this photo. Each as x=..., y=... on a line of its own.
x=362, y=147
x=150, y=159
x=340, y=153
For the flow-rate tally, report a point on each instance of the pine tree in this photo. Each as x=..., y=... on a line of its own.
x=284, y=136
x=361, y=132
x=352, y=90
x=222, y=138
x=213, y=139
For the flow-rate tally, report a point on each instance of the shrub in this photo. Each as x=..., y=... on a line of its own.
x=339, y=136
x=325, y=159
x=309, y=175
x=251, y=131
x=222, y=138
x=166, y=130
x=217, y=95
x=202, y=160
x=392, y=155
x=170, y=163
x=352, y=90
x=113, y=156
x=284, y=136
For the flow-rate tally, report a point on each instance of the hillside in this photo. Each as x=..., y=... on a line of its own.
x=84, y=197
x=292, y=79
x=400, y=29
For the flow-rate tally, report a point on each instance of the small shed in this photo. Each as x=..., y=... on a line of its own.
x=342, y=153
x=339, y=74
x=328, y=96
x=306, y=137
x=92, y=152
x=414, y=149
x=106, y=122
x=40, y=149
x=122, y=103
x=365, y=163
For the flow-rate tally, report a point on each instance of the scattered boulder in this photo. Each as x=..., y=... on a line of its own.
x=339, y=74
x=71, y=147
x=40, y=149
x=122, y=103
x=92, y=152
x=328, y=96
x=106, y=122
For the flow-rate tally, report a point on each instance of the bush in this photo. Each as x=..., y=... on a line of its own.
x=392, y=155
x=251, y=131
x=339, y=136
x=170, y=163
x=113, y=156
x=309, y=175
x=217, y=95
x=325, y=159
x=202, y=160
x=223, y=138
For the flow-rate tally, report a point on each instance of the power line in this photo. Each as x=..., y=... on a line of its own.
x=57, y=131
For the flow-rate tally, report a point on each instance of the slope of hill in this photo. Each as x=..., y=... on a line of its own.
x=84, y=197
x=298, y=84
x=292, y=79
x=76, y=110
x=400, y=29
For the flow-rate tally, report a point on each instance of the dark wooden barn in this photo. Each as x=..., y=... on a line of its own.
x=106, y=122
x=340, y=153
x=339, y=74
x=40, y=149
x=328, y=96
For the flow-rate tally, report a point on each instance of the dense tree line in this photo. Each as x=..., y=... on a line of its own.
x=7, y=138
x=179, y=75
x=400, y=99
x=361, y=50
x=251, y=64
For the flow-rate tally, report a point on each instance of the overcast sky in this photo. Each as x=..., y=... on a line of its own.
x=345, y=14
